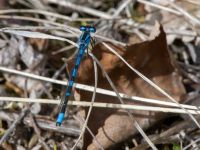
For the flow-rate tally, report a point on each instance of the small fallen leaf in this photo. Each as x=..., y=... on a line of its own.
x=30, y=57
x=15, y=88
x=20, y=82
x=8, y=52
x=33, y=141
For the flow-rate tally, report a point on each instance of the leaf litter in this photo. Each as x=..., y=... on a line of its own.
x=112, y=128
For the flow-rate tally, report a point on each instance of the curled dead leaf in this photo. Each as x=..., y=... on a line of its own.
x=151, y=58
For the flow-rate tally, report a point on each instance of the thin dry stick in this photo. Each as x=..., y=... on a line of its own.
x=193, y=2
x=47, y=13
x=98, y=90
x=159, y=6
x=56, y=74
x=70, y=129
x=182, y=32
x=121, y=7
x=180, y=11
x=90, y=108
x=102, y=105
x=136, y=124
x=38, y=132
x=40, y=35
x=33, y=122
x=185, y=13
x=66, y=48
x=164, y=134
x=72, y=33
x=34, y=28
x=80, y=8
x=80, y=119
x=151, y=83
x=64, y=27
x=189, y=145
x=23, y=2
x=13, y=126
x=36, y=11
x=109, y=40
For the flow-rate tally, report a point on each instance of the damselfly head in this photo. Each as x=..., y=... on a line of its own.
x=88, y=29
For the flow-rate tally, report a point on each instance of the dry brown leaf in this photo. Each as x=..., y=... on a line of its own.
x=151, y=58
x=39, y=44
x=15, y=88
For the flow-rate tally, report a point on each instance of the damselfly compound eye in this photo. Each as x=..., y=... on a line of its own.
x=92, y=29
x=82, y=28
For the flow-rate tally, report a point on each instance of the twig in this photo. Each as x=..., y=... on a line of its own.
x=53, y=14
x=185, y=13
x=165, y=134
x=79, y=8
x=121, y=7
x=109, y=40
x=40, y=35
x=191, y=144
x=65, y=27
x=36, y=11
x=182, y=32
x=193, y=2
x=99, y=90
x=162, y=141
x=66, y=48
x=75, y=32
x=12, y=127
x=69, y=128
x=159, y=6
x=180, y=11
x=33, y=28
x=24, y=3
x=102, y=105
x=90, y=108
x=37, y=130
x=81, y=120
